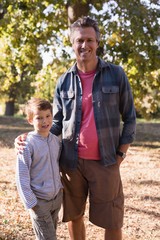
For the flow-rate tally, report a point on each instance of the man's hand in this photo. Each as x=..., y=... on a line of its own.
x=119, y=160
x=19, y=142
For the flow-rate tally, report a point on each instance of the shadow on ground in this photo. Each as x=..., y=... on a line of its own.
x=10, y=128
x=147, y=134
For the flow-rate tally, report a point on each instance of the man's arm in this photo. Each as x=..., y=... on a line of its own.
x=57, y=113
x=128, y=113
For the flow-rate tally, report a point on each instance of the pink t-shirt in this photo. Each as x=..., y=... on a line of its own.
x=88, y=147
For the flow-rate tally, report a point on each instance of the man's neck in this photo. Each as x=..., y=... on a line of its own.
x=87, y=66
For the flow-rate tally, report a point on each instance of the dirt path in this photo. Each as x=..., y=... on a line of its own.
x=140, y=175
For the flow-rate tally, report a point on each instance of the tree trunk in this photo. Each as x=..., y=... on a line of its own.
x=9, y=110
x=79, y=9
x=76, y=10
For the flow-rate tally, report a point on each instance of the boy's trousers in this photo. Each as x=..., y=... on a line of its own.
x=44, y=217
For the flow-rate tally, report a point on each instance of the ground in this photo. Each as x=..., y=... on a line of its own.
x=140, y=175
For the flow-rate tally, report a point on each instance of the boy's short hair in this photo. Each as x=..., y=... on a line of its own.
x=36, y=104
x=83, y=23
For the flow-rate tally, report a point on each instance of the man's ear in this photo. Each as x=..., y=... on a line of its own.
x=98, y=42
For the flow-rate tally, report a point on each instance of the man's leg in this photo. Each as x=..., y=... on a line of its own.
x=77, y=229
x=113, y=234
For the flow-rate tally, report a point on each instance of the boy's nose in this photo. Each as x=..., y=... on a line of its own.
x=44, y=120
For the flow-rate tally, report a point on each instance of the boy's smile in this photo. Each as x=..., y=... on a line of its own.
x=42, y=121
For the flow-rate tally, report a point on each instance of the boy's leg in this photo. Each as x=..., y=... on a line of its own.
x=56, y=205
x=43, y=222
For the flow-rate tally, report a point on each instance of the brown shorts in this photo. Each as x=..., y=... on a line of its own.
x=104, y=188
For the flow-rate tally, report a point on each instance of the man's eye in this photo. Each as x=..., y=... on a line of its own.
x=79, y=41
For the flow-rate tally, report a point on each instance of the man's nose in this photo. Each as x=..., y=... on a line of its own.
x=84, y=44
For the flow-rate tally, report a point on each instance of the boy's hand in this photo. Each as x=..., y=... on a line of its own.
x=19, y=142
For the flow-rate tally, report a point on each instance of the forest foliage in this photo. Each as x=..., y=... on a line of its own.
x=130, y=36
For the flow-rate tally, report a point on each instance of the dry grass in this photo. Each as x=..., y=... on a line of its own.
x=141, y=179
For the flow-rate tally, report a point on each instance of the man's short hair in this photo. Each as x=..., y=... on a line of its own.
x=84, y=22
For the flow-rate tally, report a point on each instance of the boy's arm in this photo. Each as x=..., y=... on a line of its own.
x=23, y=179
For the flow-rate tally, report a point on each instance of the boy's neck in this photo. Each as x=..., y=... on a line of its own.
x=45, y=135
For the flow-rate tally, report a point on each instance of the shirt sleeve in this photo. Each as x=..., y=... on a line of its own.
x=127, y=111
x=57, y=112
x=23, y=178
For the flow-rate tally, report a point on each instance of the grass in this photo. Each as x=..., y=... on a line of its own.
x=140, y=175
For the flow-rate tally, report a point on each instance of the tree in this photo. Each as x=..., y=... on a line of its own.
x=130, y=35
x=130, y=31
x=46, y=78
x=132, y=40
x=16, y=74
x=24, y=28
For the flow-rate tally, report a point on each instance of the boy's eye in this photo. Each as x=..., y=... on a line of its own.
x=38, y=118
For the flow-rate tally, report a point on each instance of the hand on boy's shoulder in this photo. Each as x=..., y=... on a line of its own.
x=19, y=143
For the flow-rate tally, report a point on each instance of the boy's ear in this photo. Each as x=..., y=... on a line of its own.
x=30, y=121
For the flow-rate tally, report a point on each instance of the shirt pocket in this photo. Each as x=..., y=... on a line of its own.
x=67, y=94
x=67, y=98
x=110, y=95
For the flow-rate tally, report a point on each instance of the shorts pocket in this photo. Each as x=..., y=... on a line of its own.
x=119, y=202
x=109, y=214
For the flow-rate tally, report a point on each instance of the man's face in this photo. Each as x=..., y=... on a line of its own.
x=85, y=44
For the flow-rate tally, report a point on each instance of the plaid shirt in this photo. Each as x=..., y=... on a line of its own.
x=112, y=102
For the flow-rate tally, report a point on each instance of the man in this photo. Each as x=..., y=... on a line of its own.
x=90, y=99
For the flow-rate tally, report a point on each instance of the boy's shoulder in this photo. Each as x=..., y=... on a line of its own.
x=30, y=136
x=54, y=138
x=34, y=137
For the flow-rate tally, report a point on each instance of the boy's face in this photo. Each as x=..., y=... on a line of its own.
x=42, y=121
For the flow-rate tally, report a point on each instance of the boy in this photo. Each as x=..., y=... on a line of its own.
x=37, y=173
